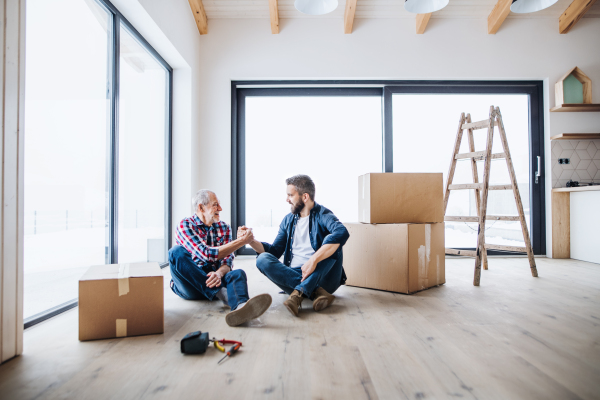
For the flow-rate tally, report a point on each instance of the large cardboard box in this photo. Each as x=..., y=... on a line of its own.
x=118, y=300
x=403, y=258
x=399, y=198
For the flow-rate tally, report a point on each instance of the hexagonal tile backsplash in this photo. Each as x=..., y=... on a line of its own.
x=585, y=161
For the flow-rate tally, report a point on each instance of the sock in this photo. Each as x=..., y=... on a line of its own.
x=222, y=295
x=240, y=305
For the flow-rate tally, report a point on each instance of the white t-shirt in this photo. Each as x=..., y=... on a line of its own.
x=301, y=247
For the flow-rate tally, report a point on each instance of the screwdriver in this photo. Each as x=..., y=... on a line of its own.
x=232, y=350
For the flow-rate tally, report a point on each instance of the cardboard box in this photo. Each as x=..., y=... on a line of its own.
x=403, y=258
x=399, y=198
x=118, y=300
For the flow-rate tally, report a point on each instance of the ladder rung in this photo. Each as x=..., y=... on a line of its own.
x=478, y=125
x=506, y=248
x=476, y=219
x=463, y=186
x=478, y=155
x=468, y=253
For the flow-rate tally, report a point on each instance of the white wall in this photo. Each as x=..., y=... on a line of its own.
x=383, y=49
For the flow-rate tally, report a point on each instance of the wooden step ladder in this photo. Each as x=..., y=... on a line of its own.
x=481, y=190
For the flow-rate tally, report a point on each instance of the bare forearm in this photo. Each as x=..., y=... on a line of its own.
x=224, y=269
x=257, y=246
x=324, y=252
x=229, y=248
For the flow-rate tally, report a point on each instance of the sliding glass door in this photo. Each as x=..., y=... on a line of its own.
x=382, y=126
x=425, y=127
x=97, y=145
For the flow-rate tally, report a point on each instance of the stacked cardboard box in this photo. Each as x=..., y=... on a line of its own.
x=399, y=243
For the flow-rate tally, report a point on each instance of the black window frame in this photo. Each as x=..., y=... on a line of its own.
x=534, y=89
x=116, y=20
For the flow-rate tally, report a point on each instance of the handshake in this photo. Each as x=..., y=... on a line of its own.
x=245, y=235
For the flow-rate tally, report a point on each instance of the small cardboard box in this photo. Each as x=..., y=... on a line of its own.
x=400, y=198
x=403, y=258
x=118, y=300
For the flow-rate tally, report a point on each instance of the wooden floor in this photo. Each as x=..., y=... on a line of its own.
x=514, y=337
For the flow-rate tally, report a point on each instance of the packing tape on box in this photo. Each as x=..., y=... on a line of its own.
x=424, y=253
x=121, y=327
x=123, y=279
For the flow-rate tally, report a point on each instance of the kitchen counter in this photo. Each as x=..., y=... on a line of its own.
x=577, y=189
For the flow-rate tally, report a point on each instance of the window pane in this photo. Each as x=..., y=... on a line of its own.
x=331, y=139
x=420, y=120
x=142, y=135
x=65, y=148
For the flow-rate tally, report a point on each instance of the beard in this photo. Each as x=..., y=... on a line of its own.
x=296, y=208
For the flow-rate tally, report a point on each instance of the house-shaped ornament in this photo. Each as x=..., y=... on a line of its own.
x=574, y=87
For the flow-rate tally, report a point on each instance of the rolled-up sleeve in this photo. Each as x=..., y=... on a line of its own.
x=338, y=234
x=194, y=243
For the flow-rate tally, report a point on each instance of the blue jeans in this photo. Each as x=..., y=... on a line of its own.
x=189, y=280
x=327, y=274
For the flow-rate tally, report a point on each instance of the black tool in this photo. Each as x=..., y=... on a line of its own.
x=195, y=343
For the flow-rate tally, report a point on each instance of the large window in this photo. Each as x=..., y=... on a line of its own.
x=96, y=148
x=341, y=130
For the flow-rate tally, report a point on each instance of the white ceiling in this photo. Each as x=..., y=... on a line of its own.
x=377, y=9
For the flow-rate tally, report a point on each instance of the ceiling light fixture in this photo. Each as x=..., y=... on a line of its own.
x=315, y=7
x=529, y=6
x=424, y=6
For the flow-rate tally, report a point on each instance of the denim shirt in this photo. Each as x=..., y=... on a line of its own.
x=324, y=228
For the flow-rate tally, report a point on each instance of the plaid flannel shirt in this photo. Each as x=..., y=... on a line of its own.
x=202, y=241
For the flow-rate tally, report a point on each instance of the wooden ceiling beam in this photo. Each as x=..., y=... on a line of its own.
x=349, y=15
x=199, y=16
x=573, y=14
x=274, y=11
x=498, y=15
x=422, y=20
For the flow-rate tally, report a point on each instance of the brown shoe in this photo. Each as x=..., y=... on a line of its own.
x=293, y=302
x=322, y=299
x=254, y=308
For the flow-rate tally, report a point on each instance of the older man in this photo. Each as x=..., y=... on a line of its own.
x=202, y=262
x=311, y=240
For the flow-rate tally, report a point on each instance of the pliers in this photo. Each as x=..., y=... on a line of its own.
x=219, y=345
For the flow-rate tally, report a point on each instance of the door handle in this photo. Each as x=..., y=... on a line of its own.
x=539, y=167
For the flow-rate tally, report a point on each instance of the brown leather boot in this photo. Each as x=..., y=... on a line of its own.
x=293, y=302
x=323, y=299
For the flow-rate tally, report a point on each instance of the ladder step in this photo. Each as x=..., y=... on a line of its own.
x=478, y=125
x=476, y=219
x=478, y=155
x=478, y=186
x=468, y=253
x=506, y=248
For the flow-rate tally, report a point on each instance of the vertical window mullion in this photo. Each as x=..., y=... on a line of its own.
x=113, y=253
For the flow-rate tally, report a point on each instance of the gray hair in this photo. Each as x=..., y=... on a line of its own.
x=202, y=196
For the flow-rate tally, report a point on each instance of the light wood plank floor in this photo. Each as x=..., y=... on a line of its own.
x=514, y=337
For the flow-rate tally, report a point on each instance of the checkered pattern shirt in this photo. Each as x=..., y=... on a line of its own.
x=202, y=241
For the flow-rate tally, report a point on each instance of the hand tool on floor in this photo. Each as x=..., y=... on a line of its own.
x=232, y=350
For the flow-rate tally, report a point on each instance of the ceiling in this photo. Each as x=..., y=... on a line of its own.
x=459, y=9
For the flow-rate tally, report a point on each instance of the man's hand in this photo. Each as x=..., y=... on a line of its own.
x=214, y=279
x=308, y=268
x=241, y=230
x=247, y=236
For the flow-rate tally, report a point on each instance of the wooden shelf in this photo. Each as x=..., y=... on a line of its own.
x=581, y=107
x=576, y=136
x=594, y=188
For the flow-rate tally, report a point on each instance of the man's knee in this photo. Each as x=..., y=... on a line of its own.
x=263, y=260
x=238, y=274
x=176, y=253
